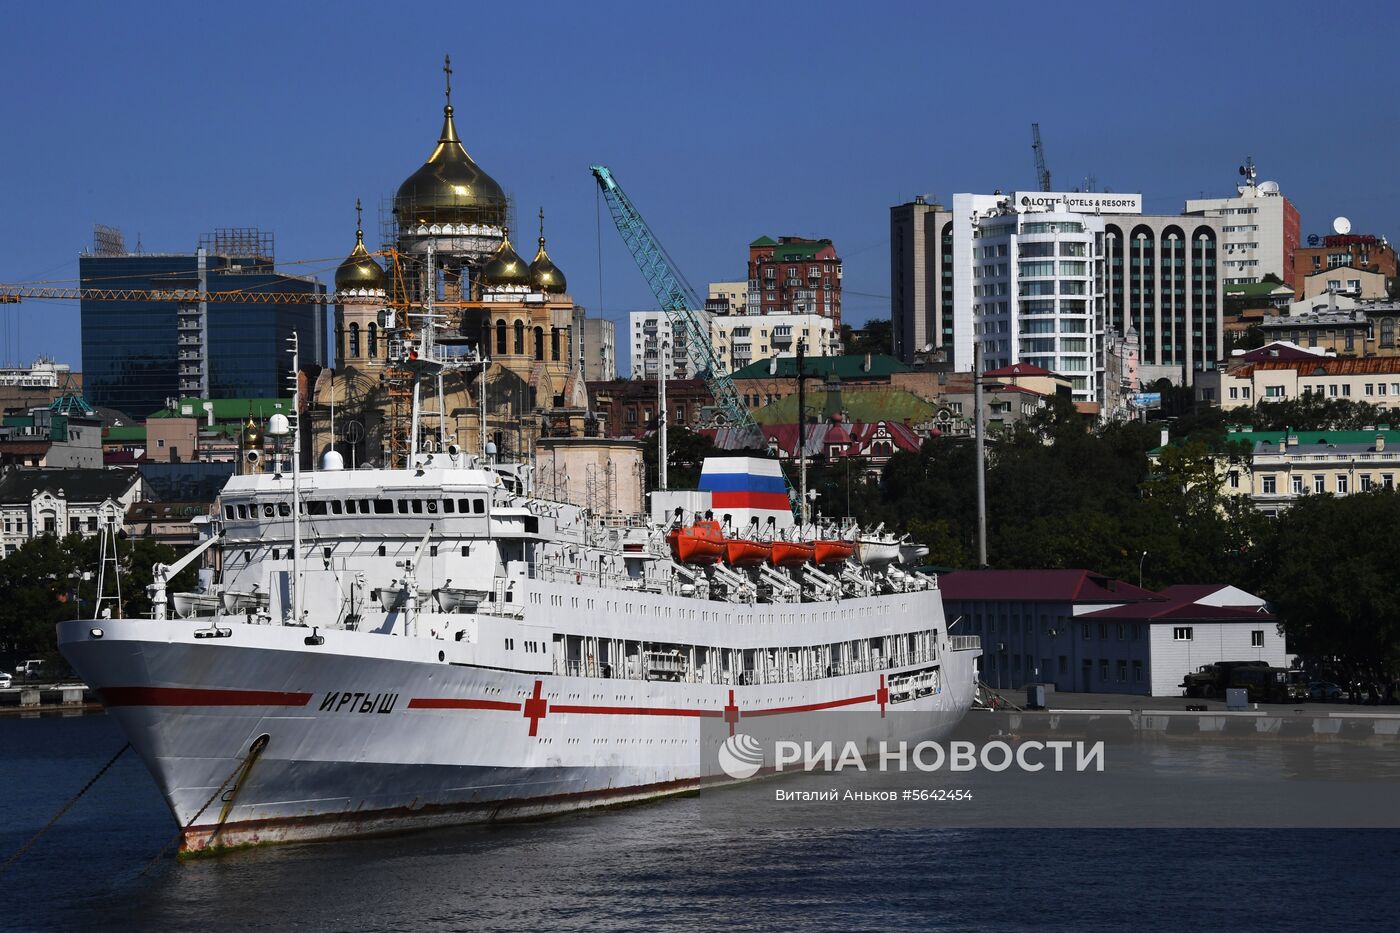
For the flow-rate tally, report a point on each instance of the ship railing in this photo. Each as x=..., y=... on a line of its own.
x=966, y=642
x=799, y=671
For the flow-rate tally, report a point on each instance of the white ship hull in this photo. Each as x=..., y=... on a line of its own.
x=370, y=734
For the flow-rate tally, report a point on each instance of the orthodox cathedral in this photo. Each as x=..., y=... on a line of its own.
x=451, y=252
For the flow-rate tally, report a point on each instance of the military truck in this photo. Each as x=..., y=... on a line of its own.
x=1211, y=680
x=1269, y=684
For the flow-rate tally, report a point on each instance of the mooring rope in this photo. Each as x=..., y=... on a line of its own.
x=62, y=810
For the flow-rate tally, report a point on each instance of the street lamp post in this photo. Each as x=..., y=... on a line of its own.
x=1141, y=561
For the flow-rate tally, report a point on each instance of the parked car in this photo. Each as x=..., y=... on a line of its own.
x=30, y=670
x=6, y=680
x=1324, y=691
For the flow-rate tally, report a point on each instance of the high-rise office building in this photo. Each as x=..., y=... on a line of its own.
x=921, y=278
x=139, y=354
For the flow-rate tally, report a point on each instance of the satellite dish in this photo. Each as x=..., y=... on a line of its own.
x=1342, y=226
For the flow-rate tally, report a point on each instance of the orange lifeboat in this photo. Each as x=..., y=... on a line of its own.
x=742, y=552
x=792, y=553
x=701, y=543
x=833, y=551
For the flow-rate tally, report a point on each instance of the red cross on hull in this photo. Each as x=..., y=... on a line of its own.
x=536, y=708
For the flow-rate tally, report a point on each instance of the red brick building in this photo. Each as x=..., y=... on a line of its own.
x=794, y=275
x=1355, y=251
x=630, y=404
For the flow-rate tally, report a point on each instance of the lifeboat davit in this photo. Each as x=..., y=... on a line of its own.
x=742, y=552
x=701, y=543
x=792, y=553
x=833, y=551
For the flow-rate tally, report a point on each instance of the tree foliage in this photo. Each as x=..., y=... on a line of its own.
x=1328, y=567
x=49, y=580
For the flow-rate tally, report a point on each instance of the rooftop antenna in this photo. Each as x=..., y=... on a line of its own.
x=1341, y=226
x=1248, y=171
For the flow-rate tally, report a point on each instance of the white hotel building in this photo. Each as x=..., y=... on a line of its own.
x=1154, y=278
x=1036, y=296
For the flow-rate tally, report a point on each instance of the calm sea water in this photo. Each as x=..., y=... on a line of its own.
x=650, y=867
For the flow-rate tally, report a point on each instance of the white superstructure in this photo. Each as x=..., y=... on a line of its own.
x=467, y=651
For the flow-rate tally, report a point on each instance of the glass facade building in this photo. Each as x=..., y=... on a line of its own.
x=139, y=354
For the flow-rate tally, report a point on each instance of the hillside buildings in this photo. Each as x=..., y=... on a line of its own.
x=728, y=298
x=1327, y=263
x=736, y=340
x=1284, y=466
x=35, y=502
x=1296, y=374
x=1339, y=325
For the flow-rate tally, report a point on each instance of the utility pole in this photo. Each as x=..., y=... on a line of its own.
x=979, y=424
x=662, y=453
x=801, y=433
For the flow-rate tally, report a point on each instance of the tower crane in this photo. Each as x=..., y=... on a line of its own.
x=1042, y=173
x=676, y=298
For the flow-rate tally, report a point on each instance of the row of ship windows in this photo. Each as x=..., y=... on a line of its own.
x=705, y=615
x=359, y=507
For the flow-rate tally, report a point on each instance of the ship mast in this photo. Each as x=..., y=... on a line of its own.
x=296, y=476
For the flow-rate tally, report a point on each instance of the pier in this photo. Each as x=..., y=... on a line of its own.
x=33, y=699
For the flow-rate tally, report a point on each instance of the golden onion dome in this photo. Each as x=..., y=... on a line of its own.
x=252, y=437
x=545, y=275
x=450, y=187
x=505, y=267
x=359, y=270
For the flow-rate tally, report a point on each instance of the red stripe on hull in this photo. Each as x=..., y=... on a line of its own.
x=190, y=696
x=636, y=711
x=448, y=703
x=808, y=708
x=445, y=703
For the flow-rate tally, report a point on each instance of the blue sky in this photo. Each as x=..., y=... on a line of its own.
x=722, y=120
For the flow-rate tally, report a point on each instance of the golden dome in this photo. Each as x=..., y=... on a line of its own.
x=252, y=437
x=545, y=275
x=505, y=267
x=450, y=187
x=359, y=270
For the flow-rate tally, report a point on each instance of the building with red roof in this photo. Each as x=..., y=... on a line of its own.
x=1086, y=632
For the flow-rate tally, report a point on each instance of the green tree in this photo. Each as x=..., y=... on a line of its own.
x=874, y=337
x=1329, y=571
x=49, y=580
